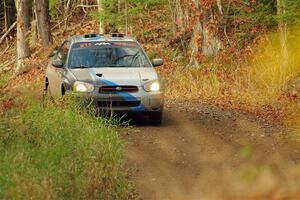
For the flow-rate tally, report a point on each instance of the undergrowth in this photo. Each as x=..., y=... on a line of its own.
x=263, y=83
x=60, y=151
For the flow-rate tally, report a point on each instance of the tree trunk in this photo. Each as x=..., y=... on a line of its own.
x=201, y=21
x=100, y=9
x=177, y=16
x=219, y=4
x=43, y=21
x=205, y=34
x=22, y=29
x=27, y=12
x=5, y=19
x=10, y=11
x=211, y=42
x=195, y=44
x=9, y=14
x=126, y=17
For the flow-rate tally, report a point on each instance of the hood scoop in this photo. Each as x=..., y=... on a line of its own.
x=99, y=75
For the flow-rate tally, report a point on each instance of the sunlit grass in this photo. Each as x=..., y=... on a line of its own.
x=270, y=70
x=264, y=79
x=273, y=74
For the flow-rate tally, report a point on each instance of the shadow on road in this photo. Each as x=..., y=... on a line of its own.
x=142, y=120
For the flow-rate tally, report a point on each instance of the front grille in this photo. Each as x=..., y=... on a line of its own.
x=119, y=103
x=121, y=88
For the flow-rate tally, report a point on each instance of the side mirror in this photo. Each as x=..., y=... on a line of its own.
x=157, y=62
x=57, y=63
x=53, y=53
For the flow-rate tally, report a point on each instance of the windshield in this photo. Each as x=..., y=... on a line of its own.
x=107, y=54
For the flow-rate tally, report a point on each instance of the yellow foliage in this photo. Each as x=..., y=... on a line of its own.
x=259, y=85
x=271, y=70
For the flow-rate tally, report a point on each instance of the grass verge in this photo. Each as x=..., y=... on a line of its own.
x=60, y=152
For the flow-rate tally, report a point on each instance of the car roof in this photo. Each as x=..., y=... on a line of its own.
x=115, y=37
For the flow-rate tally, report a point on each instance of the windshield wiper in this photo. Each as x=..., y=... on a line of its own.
x=117, y=66
x=128, y=55
x=81, y=67
x=134, y=57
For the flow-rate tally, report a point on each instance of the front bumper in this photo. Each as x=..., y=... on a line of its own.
x=140, y=101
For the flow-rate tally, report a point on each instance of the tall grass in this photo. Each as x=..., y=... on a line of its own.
x=270, y=69
x=61, y=152
x=253, y=83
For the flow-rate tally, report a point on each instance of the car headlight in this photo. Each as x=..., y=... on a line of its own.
x=152, y=86
x=83, y=87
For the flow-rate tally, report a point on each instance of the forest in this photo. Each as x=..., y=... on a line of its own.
x=232, y=100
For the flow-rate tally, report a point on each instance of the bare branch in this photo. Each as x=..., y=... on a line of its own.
x=7, y=32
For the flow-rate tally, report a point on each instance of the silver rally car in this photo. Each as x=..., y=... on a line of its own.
x=113, y=70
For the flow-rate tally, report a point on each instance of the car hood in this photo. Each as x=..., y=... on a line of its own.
x=115, y=76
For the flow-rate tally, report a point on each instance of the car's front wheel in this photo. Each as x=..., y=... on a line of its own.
x=156, y=118
x=47, y=92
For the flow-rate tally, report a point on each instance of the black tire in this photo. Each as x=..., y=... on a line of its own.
x=156, y=118
x=47, y=94
x=63, y=91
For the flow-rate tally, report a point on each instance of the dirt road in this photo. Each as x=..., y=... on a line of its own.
x=202, y=152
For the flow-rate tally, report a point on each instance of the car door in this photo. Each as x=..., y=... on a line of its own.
x=55, y=74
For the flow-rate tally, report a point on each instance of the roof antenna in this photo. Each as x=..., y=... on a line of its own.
x=126, y=17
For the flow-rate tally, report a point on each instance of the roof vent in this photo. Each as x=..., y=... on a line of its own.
x=92, y=35
x=117, y=35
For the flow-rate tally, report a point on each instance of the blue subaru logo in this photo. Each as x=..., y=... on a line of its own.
x=118, y=88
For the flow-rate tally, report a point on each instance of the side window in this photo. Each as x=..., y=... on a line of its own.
x=62, y=53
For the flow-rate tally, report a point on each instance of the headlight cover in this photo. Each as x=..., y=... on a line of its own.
x=83, y=87
x=152, y=86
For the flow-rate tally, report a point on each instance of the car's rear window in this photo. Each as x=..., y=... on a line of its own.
x=107, y=54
